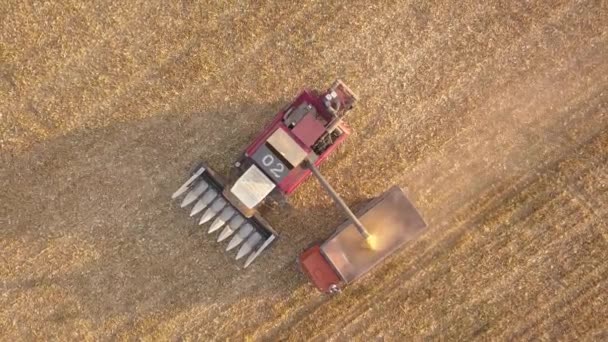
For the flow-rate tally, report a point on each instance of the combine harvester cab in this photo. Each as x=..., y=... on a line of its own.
x=273, y=165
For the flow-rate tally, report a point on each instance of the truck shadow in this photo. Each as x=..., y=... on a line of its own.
x=90, y=216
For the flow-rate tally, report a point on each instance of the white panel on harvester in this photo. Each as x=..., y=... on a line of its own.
x=252, y=187
x=287, y=147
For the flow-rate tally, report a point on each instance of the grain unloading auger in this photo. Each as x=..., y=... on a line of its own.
x=289, y=150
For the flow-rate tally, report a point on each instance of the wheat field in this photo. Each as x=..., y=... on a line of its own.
x=493, y=115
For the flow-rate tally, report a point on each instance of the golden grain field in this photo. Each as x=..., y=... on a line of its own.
x=493, y=115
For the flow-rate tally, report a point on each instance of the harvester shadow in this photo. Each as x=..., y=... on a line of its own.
x=98, y=202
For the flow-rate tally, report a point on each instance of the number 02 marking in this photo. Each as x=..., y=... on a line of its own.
x=276, y=172
x=267, y=160
x=278, y=168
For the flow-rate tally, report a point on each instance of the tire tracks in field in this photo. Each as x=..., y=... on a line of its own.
x=502, y=196
x=460, y=311
x=588, y=109
x=589, y=288
x=533, y=256
x=554, y=175
x=514, y=192
x=480, y=143
x=540, y=316
x=447, y=241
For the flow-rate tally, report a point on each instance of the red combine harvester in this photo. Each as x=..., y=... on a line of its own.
x=289, y=150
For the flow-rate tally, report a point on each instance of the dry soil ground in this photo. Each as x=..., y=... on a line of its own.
x=494, y=116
